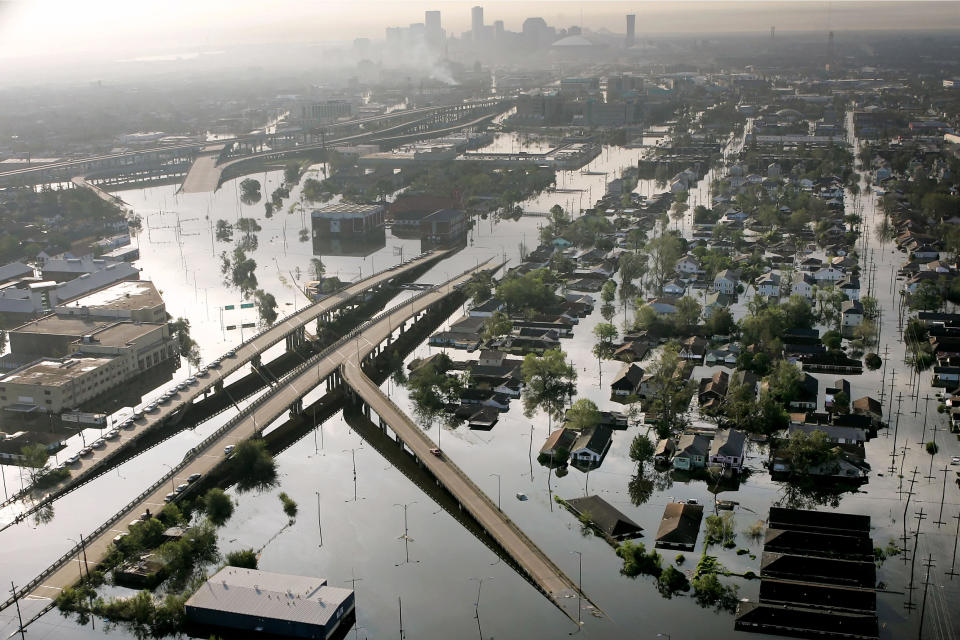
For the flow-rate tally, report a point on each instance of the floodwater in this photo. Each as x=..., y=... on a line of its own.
x=439, y=588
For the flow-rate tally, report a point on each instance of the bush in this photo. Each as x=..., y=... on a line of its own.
x=289, y=506
x=636, y=560
x=254, y=466
x=671, y=581
x=218, y=506
x=720, y=530
x=710, y=592
x=873, y=361
x=932, y=448
x=680, y=559
x=245, y=558
x=50, y=478
x=171, y=516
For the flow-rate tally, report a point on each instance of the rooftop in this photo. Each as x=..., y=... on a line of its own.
x=346, y=209
x=127, y=294
x=270, y=595
x=53, y=371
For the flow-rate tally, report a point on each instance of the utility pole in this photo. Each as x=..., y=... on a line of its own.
x=353, y=457
x=406, y=531
x=956, y=537
x=906, y=507
x=923, y=434
x=920, y=516
x=893, y=450
x=319, y=523
x=16, y=601
x=400, y=609
x=926, y=585
x=939, y=521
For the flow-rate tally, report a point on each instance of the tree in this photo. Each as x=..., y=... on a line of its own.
x=720, y=323
x=253, y=465
x=317, y=268
x=243, y=558
x=932, y=448
x=784, y=382
x=530, y=292
x=873, y=361
x=670, y=393
x=289, y=505
x=250, y=191
x=609, y=291
x=926, y=297
x=479, y=287
x=583, y=415
x=605, y=334
x=266, y=306
x=632, y=266
x=549, y=380
x=832, y=340
x=224, y=231
x=432, y=387
x=664, y=250
x=218, y=506
x=636, y=560
x=35, y=458
x=671, y=581
x=641, y=449
x=187, y=346
x=497, y=325
x=804, y=451
x=688, y=314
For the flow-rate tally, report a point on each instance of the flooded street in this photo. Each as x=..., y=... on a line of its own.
x=437, y=587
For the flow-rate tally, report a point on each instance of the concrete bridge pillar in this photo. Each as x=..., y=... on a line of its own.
x=296, y=408
x=256, y=361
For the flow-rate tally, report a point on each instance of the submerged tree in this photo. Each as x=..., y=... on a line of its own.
x=549, y=380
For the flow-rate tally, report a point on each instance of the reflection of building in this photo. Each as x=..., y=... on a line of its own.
x=349, y=245
x=445, y=227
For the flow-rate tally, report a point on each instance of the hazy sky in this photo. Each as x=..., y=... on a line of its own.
x=124, y=28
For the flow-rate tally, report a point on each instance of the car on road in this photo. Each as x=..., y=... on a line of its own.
x=214, y=364
x=137, y=415
x=955, y=460
x=231, y=353
x=74, y=459
x=170, y=497
x=127, y=425
x=229, y=449
x=86, y=452
x=182, y=487
x=181, y=386
x=165, y=398
x=437, y=452
x=112, y=435
x=193, y=477
x=151, y=407
x=99, y=444
x=120, y=536
x=191, y=380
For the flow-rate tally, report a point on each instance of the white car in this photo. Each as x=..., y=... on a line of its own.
x=229, y=449
x=955, y=460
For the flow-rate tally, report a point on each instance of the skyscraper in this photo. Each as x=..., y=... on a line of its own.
x=476, y=23
x=631, y=29
x=434, y=32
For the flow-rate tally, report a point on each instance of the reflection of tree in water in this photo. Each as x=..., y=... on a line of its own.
x=806, y=495
x=644, y=483
x=44, y=514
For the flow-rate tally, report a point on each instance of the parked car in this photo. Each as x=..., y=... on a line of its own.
x=74, y=459
x=170, y=497
x=182, y=487
x=229, y=449
x=120, y=536
x=955, y=460
x=437, y=452
x=99, y=444
x=128, y=425
x=193, y=477
x=112, y=435
x=86, y=452
x=231, y=353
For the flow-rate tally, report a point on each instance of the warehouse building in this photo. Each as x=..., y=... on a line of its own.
x=348, y=219
x=54, y=385
x=136, y=300
x=274, y=604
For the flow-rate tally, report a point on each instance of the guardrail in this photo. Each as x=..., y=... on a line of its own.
x=204, y=385
x=193, y=452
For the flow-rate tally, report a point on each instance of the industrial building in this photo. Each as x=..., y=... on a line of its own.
x=270, y=603
x=348, y=219
x=53, y=385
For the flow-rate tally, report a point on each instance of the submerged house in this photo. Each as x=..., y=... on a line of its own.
x=615, y=525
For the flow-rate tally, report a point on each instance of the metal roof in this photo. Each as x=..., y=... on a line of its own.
x=263, y=594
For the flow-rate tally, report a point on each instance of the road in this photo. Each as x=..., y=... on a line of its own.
x=244, y=353
x=540, y=569
x=252, y=420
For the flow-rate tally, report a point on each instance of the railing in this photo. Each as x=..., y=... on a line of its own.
x=193, y=452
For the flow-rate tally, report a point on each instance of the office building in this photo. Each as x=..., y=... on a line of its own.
x=434, y=30
x=631, y=29
x=348, y=219
x=476, y=23
x=53, y=385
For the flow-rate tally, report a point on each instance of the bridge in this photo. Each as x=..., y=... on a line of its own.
x=177, y=159
x=251, y=422
x=290, y=329
x=536, y=566
x=338, y=365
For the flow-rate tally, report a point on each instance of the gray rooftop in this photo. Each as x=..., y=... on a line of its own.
x=277, y=596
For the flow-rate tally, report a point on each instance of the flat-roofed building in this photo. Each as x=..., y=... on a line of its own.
x=136, y=300
x=142, y=344
x=347, y=218
x=270, y=603
x=56, y=384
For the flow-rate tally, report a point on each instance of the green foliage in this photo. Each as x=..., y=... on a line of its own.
x=832, y=340
x=289, y=505
x=497, y=325
x=479, y=287
x=253, y=465
x=609, y=291
x=672, y=581
x=549, y=380
x=291, y=173
x=670, y=393
x=709, y=592
x=317, y=268
x=755, y=531
x=266, y=306
x=804, y=451
x=432, y=387
x=636, y=560
x=35, y=458
x=927, y=297
x=784, y=382
x=188, y=347
x=720, y=323
x=218, y=506
x=224, y=232
x=49, y=478
x=184, y=558
x=171, y=516
x=249, y=192
x=873, y=361
x=720, y=530
x=315, y=191
x=641, y=448
x=932, y=448
x=583, y=415
x=244, y=558
x=248, y=226
x=529, y=293
x=680, y=559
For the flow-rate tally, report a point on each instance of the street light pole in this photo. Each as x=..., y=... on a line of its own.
x=172, y=486
x=498, y=489
x=579, y=588
x=319, y=523
x=353, y=456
